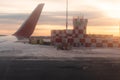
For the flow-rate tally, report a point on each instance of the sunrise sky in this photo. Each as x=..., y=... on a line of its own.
x=103, y=15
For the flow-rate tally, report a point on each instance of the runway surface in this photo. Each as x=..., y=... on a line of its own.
x=79, y=69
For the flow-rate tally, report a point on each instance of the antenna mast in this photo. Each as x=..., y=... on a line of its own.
x=66, y=14
x=119, y=28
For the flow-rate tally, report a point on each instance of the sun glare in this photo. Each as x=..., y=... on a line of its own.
x=114, y=14
x=110, y=9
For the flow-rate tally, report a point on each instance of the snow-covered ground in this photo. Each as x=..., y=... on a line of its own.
x=18, y=49
x=10, y=47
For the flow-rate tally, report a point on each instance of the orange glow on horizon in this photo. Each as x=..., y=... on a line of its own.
x=45, y=30
x=104, y=30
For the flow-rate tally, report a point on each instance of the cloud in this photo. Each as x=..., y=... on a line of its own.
x=96, y=18
x=13, y=16
x=53, y=13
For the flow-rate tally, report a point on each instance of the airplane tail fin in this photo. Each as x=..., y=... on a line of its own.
x=27, y=28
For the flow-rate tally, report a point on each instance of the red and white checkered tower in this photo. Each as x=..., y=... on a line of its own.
x=79, y=29
x=79, y=25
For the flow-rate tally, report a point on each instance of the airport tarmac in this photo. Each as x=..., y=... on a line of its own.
x=39, y=62
x=79, y=69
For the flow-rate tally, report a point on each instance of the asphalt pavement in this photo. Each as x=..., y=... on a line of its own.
x=80, y=69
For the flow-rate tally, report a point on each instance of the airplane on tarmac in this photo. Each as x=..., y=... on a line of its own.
x=27, y=28
x=25, y=31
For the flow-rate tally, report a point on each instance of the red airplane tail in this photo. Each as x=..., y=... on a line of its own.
x=27, y=28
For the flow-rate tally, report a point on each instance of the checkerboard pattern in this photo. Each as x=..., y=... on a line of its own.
x=78, y=36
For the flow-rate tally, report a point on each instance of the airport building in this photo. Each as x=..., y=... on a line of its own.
x=40, y=40
x=78, y=37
